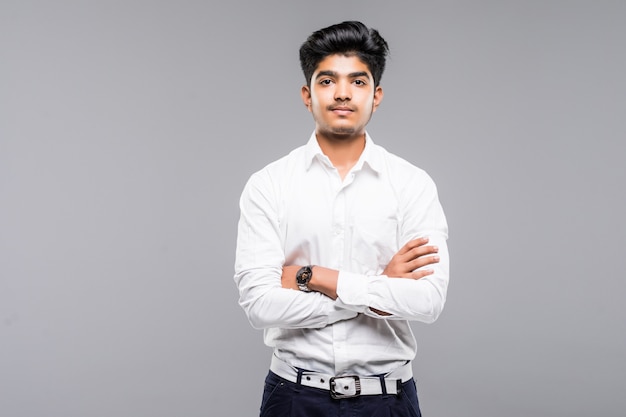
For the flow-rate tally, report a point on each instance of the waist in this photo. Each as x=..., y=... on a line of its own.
x=345, y=386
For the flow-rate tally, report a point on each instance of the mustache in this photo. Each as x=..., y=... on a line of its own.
x=340, y=107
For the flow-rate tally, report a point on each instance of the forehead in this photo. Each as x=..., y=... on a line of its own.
x=342, y=65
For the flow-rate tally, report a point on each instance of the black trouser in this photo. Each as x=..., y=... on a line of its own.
x=282, y=398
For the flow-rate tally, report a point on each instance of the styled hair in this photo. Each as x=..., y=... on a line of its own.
x=347, y=38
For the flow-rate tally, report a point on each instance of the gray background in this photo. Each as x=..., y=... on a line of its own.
x=128, y=129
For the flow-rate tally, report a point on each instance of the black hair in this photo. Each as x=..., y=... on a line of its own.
x=346, y=38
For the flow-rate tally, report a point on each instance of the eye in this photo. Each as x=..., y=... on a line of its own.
x=326, y=81
x=360, y=82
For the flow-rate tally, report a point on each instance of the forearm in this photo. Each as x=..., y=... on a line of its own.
x=266, y=304
x=279, y=307
x=394, y=299
x=399, y=298
x=380, y=296
x=390, y=294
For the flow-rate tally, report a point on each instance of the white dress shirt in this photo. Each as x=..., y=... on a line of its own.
x=298, y=211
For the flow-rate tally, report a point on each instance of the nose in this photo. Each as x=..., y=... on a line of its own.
x=342, y=91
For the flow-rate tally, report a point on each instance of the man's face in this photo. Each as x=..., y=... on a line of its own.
x=342, y=97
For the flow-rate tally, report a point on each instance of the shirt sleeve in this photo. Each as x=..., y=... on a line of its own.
x=258, y=267
x=422, y=300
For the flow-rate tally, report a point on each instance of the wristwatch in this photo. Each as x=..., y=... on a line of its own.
x=303, y=276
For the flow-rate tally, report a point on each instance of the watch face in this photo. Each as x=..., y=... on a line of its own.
x=303, y=276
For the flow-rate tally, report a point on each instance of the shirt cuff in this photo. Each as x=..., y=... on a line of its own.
x=352, y=291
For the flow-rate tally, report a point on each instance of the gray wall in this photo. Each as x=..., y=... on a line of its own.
x=128, y=129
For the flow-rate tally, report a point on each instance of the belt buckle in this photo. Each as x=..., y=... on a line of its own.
x=345, y=387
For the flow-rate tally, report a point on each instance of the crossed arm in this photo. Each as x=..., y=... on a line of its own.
x=405, y=264
x=412, y=286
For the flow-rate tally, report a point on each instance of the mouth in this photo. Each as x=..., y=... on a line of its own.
x=342, y=110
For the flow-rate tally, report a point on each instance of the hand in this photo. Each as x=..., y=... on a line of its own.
x=415, y=254
x=411, y=256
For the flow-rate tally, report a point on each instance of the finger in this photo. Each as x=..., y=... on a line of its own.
x=412, y=244
x=420, y=251
x=423, y=261
x=422, y=273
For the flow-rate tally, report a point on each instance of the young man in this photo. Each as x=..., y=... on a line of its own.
x=340, y=245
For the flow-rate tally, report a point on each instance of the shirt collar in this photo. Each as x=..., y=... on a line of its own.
x=370, y=156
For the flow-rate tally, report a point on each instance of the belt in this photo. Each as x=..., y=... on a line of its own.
x=345, y=386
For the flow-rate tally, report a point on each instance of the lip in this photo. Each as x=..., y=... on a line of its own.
x=342, y=110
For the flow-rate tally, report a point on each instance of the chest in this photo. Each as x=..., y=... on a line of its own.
x=341, y=223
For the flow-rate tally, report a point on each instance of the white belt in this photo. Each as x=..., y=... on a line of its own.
x=345, y=386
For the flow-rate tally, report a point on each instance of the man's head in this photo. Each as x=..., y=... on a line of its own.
x=343, y=65
x=350, y=39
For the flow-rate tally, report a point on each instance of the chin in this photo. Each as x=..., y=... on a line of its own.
x=343, y=130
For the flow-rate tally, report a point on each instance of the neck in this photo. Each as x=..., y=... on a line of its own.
x=343, y=152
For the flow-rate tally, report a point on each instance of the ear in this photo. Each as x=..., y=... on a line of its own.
x=305, y=92
x=378, y=97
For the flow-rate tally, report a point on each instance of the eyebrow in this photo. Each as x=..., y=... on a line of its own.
x=334, y=74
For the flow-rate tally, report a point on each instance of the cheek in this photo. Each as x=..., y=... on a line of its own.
x=317, y=99
x=317, y=103
x=369, y=104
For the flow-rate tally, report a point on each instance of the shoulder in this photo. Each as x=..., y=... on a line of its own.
x=274, y=173
x=399, y=170
x=284, y=164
